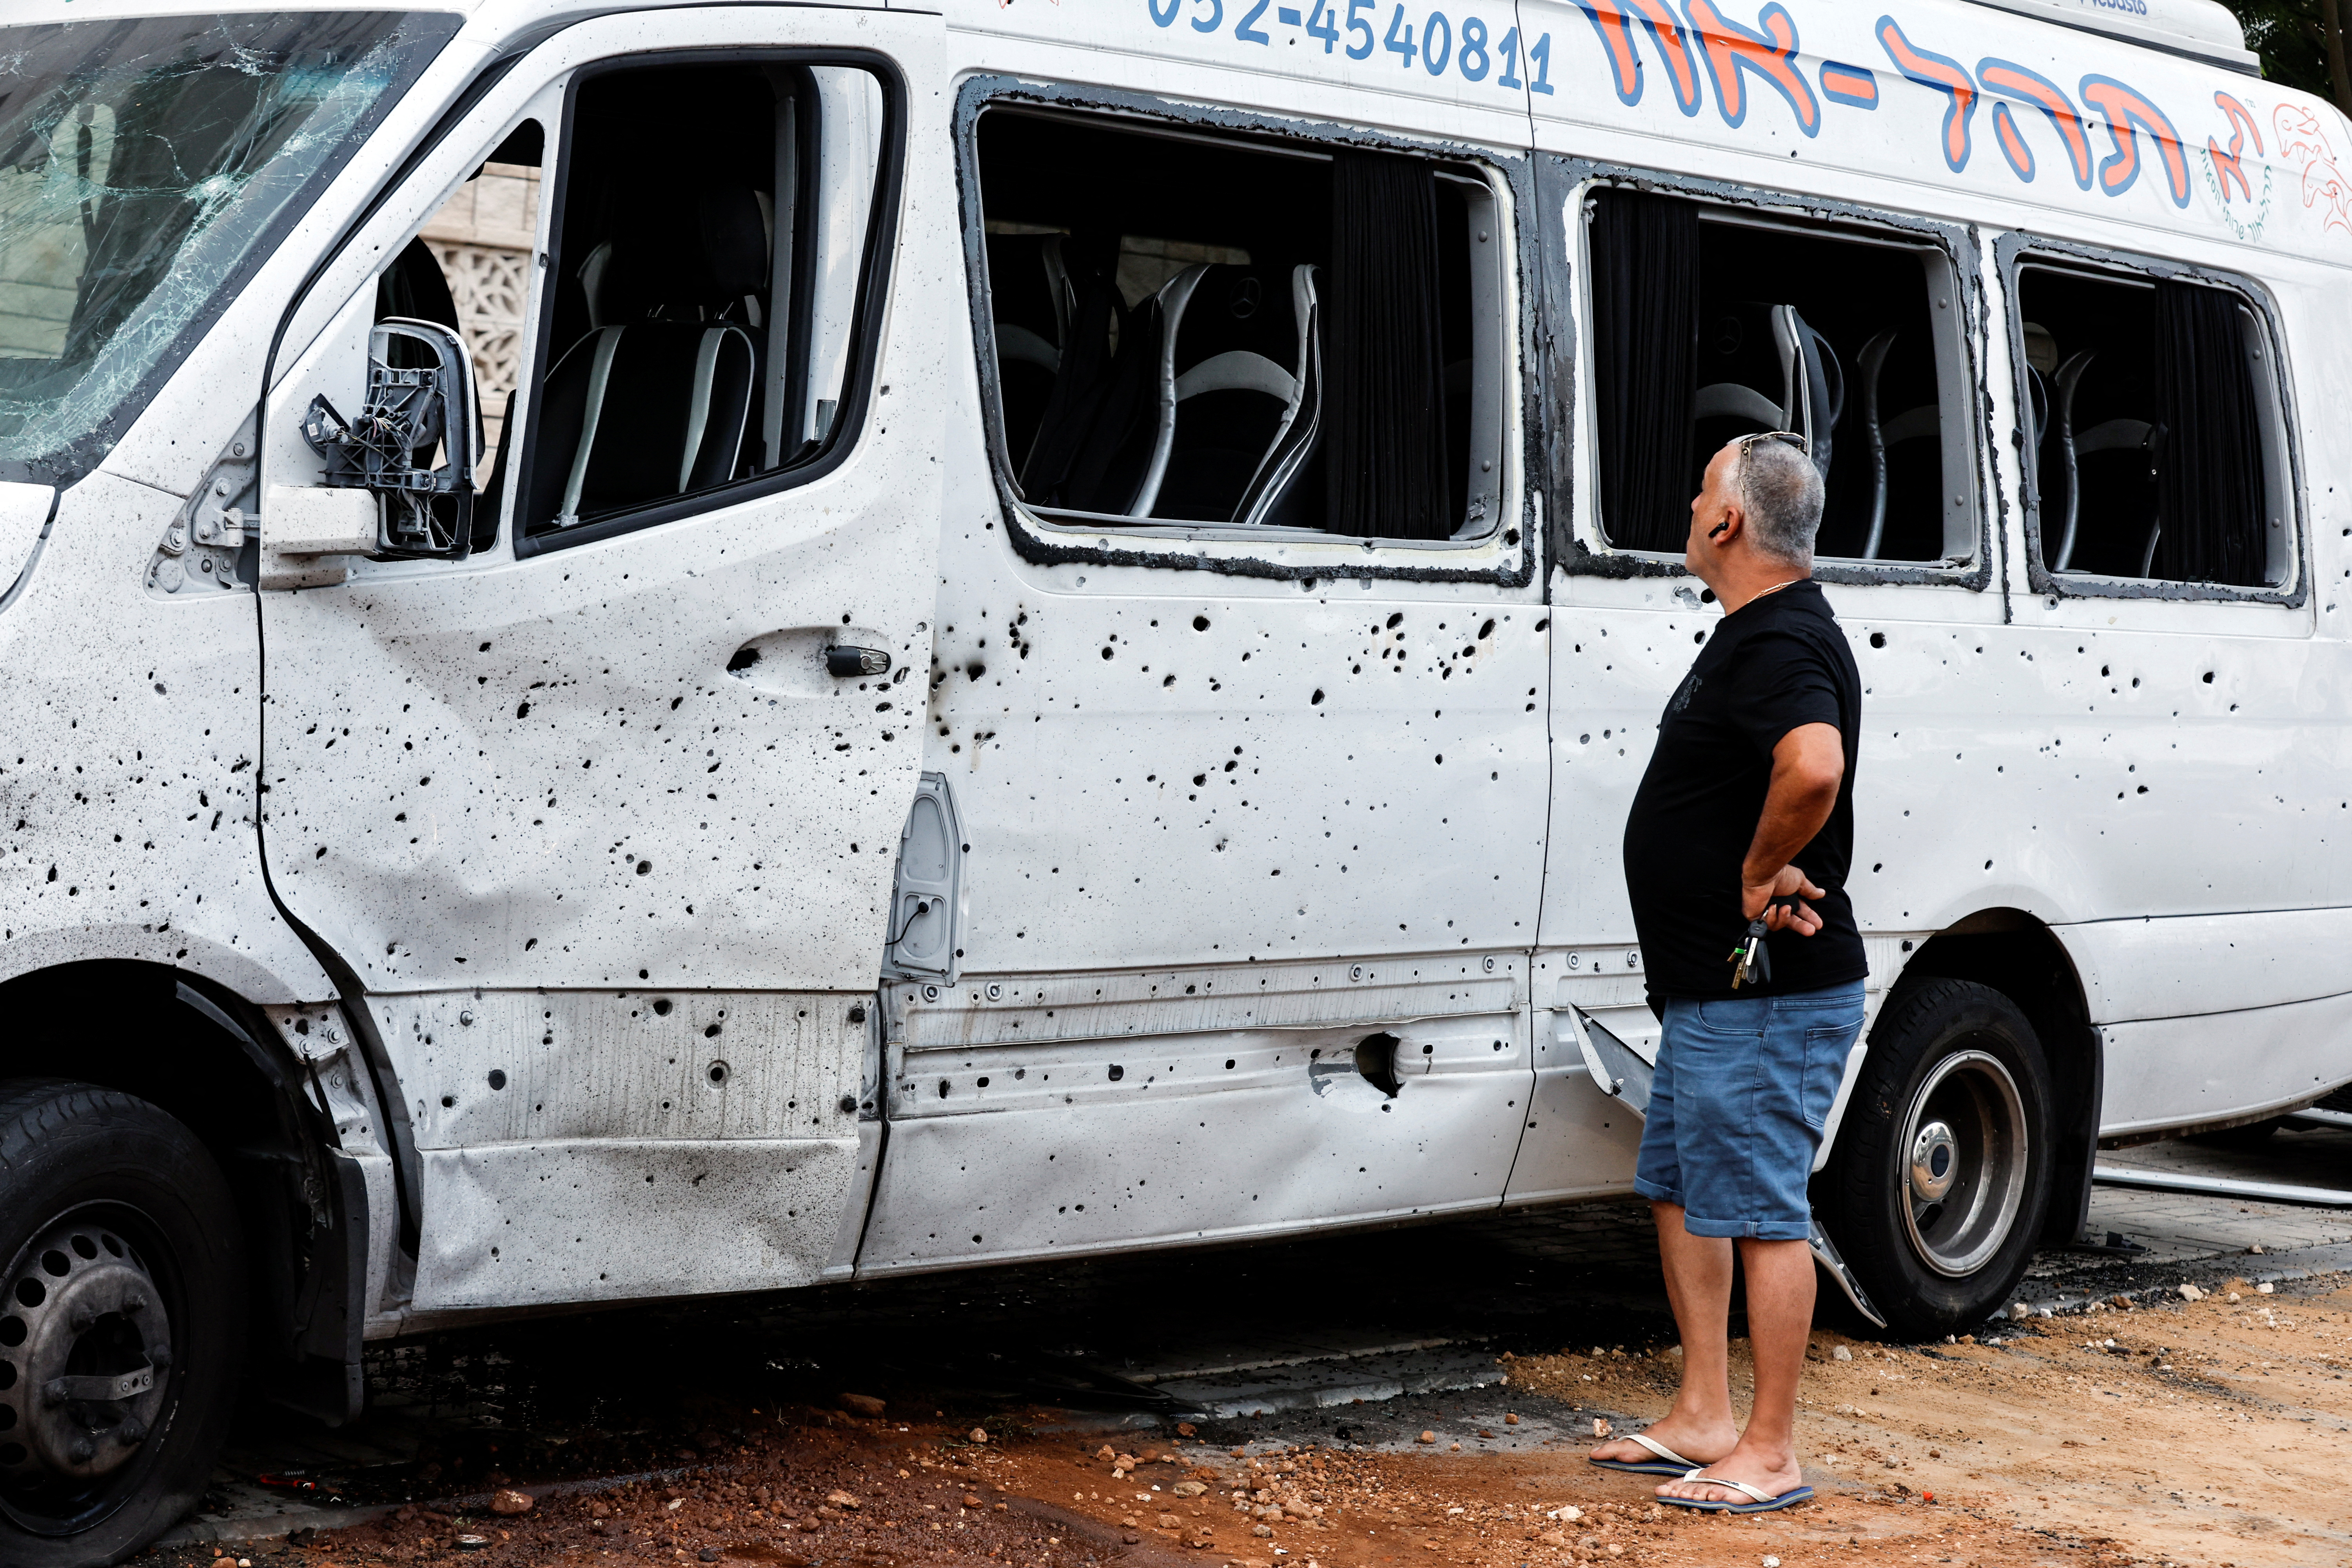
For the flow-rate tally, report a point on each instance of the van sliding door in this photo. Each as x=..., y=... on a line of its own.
x=1242, y=655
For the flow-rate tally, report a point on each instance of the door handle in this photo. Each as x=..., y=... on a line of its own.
x=849, y=661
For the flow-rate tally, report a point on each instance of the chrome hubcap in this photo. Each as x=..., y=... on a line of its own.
x=84, y=1345
x=1966, y=1162
x=1934, y=1161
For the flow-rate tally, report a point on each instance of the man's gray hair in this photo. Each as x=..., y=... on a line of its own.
x=1780, y=492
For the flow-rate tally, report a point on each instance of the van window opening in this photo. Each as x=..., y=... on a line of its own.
x=470, y=270
x=1709, y=324
x=146, y=166
x=1221, y=332
x=2155, y=430
x=702, y=312
x=481, y=240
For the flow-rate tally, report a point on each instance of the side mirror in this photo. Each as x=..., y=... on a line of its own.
x=421, y=403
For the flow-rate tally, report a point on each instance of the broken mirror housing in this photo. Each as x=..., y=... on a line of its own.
x=420, y=393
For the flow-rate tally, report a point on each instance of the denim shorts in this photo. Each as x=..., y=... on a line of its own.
x=1744, y=1087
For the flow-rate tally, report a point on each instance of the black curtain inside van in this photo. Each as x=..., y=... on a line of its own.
x=1645, y=304
x=1384, y=394
x=2209, y=464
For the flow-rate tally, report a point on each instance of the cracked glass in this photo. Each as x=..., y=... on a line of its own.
x=147, y=167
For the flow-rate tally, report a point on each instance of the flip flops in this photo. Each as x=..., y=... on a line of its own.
x=1765, y=1501
x=1667, y=1463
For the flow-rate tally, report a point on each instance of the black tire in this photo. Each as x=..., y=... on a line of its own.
x=118, y=1241
x=1955, y=1071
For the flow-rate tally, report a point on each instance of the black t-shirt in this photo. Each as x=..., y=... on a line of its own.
x=1777, y=662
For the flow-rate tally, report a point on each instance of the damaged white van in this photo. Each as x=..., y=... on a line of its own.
x=703, y=648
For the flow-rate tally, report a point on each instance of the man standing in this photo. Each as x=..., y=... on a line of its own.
x=1746, y=814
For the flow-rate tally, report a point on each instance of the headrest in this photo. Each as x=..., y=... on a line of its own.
x=1234, y=306
x=687, y=249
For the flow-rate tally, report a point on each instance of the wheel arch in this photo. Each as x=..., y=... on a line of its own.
x=209, y=1058
x=2017, y=955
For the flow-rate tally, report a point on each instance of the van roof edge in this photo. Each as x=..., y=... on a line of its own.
x=2200, y=29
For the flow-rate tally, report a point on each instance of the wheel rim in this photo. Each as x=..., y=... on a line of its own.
x=1963, y=1163
x=86, y=1350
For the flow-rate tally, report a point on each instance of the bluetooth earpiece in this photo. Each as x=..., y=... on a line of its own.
x=1719, y=528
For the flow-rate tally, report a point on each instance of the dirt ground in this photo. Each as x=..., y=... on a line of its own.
x=2211, y=1433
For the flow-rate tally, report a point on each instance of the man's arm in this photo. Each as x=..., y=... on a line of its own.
x=1808, y=765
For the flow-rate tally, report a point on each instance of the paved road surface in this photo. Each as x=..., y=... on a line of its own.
x=1303, y=1329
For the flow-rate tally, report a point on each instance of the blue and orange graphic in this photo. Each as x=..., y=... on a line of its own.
x=1697, y=44
x=2228, y=167
x=2005, y=78
x=1731, y=50
x=1856, y=86
x=1615, y=24
x=1946, y=75
x=2128, y=113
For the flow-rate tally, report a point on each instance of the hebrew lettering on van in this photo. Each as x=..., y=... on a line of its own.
x=1732, y=49
x=2226, y=169
x=2007, y=79
x=1615, y=24
x=1853, y=86
x=2124, y=112
x=1728, y=51
x=1698, y=45
x=2011, y=142
x=2129, y=112
x=1943, y=75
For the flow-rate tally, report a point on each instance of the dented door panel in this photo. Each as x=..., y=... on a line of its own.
x=599, y=828
x=1580, y=1143
x=717, y=1130
x=557, y=770
x=1096, y=1112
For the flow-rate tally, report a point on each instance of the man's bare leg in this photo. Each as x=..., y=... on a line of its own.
x=1700, y=1426
x=1779, y=1321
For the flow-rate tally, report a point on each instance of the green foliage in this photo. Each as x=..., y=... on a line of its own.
x=2292, y=38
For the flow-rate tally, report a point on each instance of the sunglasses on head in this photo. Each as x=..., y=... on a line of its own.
x=1746, y=444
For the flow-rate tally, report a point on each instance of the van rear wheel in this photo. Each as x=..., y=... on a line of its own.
x=120, y=1316
x=1936, y=1189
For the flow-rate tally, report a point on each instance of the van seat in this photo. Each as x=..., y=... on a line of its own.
x=656, y=401
x=1032, y=300
x=2129, y=447
x=1239, y=373
x=1774, y=373
x=1880, y=433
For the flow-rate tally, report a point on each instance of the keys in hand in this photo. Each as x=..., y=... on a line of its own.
x=1780, y=900
x=1751, y=960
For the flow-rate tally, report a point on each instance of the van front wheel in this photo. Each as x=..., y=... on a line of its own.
x=1936, y=1191
x=120, y=1312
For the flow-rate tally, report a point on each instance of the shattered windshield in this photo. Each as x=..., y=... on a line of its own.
x=146, y=168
